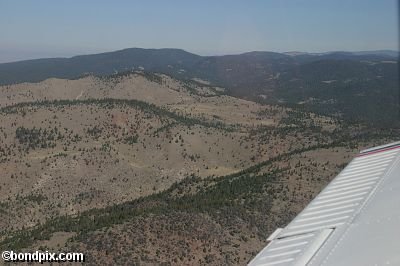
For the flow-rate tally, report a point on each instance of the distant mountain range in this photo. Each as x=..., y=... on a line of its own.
x=386, y=53
x=327, y=82
x=174, y=62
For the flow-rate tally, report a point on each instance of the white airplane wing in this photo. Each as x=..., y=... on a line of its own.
x=354, y=221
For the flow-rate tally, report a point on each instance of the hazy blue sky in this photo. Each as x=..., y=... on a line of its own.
x=47, y=28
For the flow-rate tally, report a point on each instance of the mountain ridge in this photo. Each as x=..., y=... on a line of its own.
x=166, y=60
x=384, y=52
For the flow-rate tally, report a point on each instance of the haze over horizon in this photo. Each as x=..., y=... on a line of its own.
x=61, y=55
x=46, y=29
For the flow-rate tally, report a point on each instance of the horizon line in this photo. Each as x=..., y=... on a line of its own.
x=199, y=54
